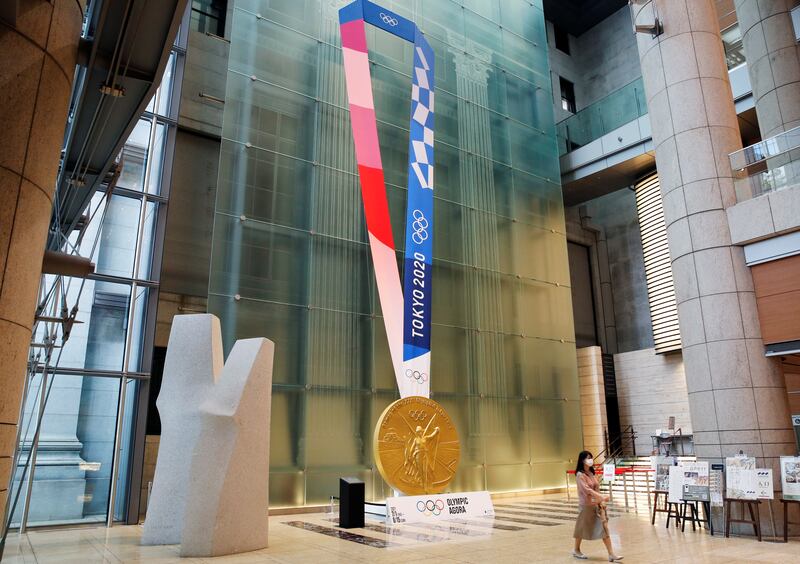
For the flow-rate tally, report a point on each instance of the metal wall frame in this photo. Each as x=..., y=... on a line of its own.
x=142, y=356
x=135, y=468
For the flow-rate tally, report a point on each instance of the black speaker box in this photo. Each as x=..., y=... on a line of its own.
x=351, y=503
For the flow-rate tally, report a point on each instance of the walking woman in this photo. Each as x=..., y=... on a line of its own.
x=592, y=523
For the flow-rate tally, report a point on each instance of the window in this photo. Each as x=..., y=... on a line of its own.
x=208, y=16
x=732, y=42
x=562, y=39
x=567, y=94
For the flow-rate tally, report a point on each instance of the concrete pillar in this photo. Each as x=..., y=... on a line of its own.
x=773, y=62
x=737, y=396
x=594, y=419
x=38, y=48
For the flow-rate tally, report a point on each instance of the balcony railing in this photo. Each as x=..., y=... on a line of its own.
x=604, y=116
x=772, y=164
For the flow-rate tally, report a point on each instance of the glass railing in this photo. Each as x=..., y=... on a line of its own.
x=772, y=164
x=601, y=117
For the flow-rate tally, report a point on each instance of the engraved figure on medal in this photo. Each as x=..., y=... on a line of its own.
x=418, y=460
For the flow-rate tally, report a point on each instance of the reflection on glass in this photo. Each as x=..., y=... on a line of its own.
x=734, y=49
x=156, y=157
x=165, y=88
x=73, y=462
x=126, y=446
x=134, y=157
x=607, y=114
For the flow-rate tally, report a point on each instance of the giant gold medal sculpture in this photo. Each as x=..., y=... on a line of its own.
x=416, y=444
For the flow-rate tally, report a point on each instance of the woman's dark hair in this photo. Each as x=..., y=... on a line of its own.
x=581, y=458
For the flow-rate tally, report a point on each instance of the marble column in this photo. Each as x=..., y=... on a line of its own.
x=773, y=62
x=594, y=417
x=38, y=49
x=737, y=396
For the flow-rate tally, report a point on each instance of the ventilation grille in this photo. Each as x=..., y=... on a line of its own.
x=657, y=266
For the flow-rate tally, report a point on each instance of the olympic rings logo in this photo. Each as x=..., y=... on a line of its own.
x=420, y=377
x=430, y=507
x=417, y=414
x=420, y=227
x=389, y=20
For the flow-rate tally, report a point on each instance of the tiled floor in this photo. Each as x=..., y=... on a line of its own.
x=536, y=529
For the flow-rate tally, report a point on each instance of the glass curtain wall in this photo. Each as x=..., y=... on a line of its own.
x=290, y=259
x=105, y=358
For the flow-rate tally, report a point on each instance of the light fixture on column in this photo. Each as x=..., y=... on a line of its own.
x=655, y=28
x=647, y=20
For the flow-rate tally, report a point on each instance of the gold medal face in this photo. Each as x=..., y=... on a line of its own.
x=416, y=446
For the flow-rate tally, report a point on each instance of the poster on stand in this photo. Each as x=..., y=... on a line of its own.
x=675, y=491
x=790, y=477
x=764, y=486
x=609, y=473
x=696, y=486
x=715, y=479
x=740, y=477
x=661, y=465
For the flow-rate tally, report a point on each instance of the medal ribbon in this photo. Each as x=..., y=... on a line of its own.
x=407, y=322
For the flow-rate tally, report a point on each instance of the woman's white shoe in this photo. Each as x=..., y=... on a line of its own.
x=614, y=558
x=579, y=555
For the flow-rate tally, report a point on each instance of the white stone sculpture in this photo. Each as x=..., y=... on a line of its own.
x=211, y=485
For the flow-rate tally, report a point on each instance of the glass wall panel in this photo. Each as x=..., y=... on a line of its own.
x=290, y=259
x=76, y=444
x=134, y=157
x=107, y=343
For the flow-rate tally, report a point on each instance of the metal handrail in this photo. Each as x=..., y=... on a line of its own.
x=611, y=453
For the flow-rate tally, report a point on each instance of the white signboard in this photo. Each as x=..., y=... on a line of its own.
x=438, y=507
x=764, y=489
x=740, y=477
x=675, y=484
x=790, y=477
x=609, y=472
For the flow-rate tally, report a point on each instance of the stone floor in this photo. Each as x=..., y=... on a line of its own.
x=533, y=529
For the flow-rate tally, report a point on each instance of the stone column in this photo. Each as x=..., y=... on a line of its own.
x=773, y=62
x=737, y=396
x=594, y=418
x=38, y=49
